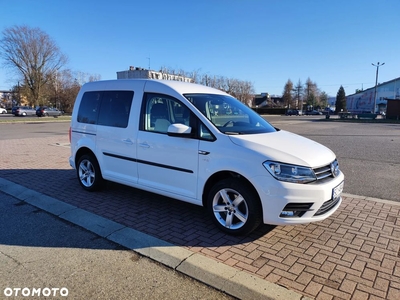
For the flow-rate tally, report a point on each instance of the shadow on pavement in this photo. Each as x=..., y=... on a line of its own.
x=173, y=221
x=24, y=225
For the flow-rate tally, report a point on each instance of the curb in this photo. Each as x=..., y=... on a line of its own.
x=234, y=282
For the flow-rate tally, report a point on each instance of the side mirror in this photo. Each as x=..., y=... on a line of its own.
x=179, y=130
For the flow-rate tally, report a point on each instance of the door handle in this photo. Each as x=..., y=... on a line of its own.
x=127, y=141
x=144, y=145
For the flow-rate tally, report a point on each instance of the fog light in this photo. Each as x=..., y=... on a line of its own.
x=287, y=214
x=295, y=210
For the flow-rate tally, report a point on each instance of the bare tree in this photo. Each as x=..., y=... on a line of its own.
x=323, y=99
x=62, y=90
x=287, y=94
x=33, y=55
x=312, y=93
x=298, y=89
x=241, y=90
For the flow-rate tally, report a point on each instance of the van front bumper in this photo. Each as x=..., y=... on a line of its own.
x=286, y=203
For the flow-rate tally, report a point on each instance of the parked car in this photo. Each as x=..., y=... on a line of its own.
x=165, y=137
x=3, y=111
x=313, y=112
x=328, y=111
x=45, y=111
x=293, y=112
x=24, y=111
x=14, y=108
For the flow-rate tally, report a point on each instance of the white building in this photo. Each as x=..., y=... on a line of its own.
x=150, y=74
x=364, y=100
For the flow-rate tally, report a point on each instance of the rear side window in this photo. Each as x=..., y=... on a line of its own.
x=89, y=107
x=115, y=108
x=107, y=108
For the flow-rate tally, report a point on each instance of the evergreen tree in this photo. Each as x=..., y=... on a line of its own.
x=341, y=100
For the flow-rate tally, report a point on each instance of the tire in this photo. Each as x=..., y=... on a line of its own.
x=89, y=174
x=239, y=218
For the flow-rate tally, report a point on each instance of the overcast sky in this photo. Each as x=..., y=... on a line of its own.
x=265, y=42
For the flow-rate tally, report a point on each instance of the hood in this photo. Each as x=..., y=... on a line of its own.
x=286, y=147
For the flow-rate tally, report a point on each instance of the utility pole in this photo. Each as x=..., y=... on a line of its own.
x=376, y=82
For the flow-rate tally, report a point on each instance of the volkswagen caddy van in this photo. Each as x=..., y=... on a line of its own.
x=200, y=145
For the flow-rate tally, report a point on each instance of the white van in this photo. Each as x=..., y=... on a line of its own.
x=200, y=145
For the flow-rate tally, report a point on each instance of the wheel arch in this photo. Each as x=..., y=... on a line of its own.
x=212, y=180
x=84, y=151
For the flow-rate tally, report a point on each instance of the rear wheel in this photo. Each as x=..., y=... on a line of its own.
x=234, y=206
x=89, y=173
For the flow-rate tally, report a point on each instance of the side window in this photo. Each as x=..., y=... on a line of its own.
x=89, y=107
x=115, y=108
x=160, y=111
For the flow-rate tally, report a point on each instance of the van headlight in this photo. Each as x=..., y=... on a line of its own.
x=290, y=173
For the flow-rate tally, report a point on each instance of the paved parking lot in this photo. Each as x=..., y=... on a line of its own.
x=353, y=255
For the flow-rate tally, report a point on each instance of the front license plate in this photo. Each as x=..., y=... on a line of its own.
x=337, y=190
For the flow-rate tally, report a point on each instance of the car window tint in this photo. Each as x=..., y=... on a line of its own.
x=115, y=108
x=88, y=109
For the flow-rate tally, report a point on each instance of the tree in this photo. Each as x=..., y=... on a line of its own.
x=323, y=98
x=62, y=90
x=241, y=90
x=298, y=89
x=287, y=94
x=33, y=55
x=341, y=100
x=312, y=93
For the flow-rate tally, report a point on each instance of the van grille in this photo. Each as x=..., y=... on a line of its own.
x=326, y=171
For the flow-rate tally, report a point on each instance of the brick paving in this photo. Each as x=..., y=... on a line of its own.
x=355, y=254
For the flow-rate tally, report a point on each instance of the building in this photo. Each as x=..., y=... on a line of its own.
x=364, y=100
x=136, y=72
x=265, y=99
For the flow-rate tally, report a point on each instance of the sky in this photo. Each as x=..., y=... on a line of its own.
x=265, y=42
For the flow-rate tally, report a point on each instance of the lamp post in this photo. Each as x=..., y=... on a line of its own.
x=376, y=82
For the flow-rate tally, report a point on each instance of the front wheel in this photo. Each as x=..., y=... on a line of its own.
x=234, y=206
x=89, y=173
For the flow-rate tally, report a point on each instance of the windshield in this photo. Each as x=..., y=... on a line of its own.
x=229, y=115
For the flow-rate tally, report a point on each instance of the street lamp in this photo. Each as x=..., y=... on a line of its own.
x=376, y=82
